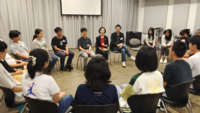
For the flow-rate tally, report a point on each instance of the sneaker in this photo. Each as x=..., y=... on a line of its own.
x=124, y=64
x=132, y=58
x=161, y=60
x=165, y=61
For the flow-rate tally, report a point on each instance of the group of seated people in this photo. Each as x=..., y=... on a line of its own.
x=97, y=89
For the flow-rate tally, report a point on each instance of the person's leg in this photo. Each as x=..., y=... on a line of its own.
x=92, y=54
x=71, y=56
x=106, y=54
x=64, y=103
x=101, y=52
x=167, y=53
x=123, y=55
x=85, y=55
x=119, y=90
x=62, y=56
x=126, y=50
x=54, y=60
x=162, y=52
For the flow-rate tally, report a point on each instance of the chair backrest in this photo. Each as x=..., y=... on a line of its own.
x=134, y=42
x=196, y=84
x=179, y=93
x=110, y=108
x=144, y=103
x=9, y=96
x=41, y=106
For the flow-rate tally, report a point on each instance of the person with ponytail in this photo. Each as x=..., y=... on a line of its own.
x=40, y=43
x=150, y=38
x=167, y=40
x=37, y=85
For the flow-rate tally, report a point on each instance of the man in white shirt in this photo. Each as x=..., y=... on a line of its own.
x=194, y=60
x=18, y=48
x=6, y=79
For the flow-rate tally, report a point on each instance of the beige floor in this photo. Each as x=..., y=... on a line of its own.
x=69, y=81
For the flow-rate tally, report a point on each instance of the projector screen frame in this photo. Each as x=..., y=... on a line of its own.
x=78, y=14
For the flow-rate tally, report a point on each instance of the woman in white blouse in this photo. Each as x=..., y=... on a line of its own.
x=167, y=40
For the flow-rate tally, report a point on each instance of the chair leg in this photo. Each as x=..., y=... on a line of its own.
x=110, y=57
x=81, y=63
x=164, y=106
x=77, y=61
x=24, y=108
x=190, y=106
x=114, y=58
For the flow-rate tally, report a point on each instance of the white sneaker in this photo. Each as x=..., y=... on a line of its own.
x=165, y=61
x=124, y=64
x=161, y=60
x=132, y=58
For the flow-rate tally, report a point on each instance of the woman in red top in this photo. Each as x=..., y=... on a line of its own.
x=102, y=43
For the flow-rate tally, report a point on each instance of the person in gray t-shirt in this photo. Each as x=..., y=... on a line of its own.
x=40, y=43
x=18, y=48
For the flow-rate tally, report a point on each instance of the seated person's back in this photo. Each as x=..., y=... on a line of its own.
x=97, y=90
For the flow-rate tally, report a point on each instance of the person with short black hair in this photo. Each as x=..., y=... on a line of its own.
x=178, y=71
x=102, y=43
x=6, y=79
x=37, y=85
x=194, y=60
x=150, y=39
x=18, y=48
x=16, y=73
x=184, y=37
x=149, y=81
x=167, y=40
x=85, y=46
x=60, y=46
x=40, y=43
x=96, y=90
x=117, y=44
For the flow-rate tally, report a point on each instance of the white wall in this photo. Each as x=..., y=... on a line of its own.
x=180, y=14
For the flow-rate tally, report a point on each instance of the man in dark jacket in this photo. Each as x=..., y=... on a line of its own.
x=117, y=44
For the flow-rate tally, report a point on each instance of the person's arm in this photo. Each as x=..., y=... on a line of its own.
x=112, y=40
x=47, y=49
x=22, y=56
x=90, y=47
x=147, y=42
x=167, y=75
x=66, y=47
x=171, y=41
x=163, y=40
x=17, y=65
x=164, y=84
x=58, y=96
x=57, y=49
x=98, y=43
x=123, y=38
x=17, y=88
x=154, y=41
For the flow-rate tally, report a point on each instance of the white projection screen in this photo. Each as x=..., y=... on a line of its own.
x=81, y=7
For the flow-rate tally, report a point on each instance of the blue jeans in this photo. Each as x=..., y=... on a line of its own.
x=64, y=103
x=52, y=61
x=62, y=56
x=124, y=50
x=119, y=89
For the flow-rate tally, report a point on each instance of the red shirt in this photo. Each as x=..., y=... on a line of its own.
x=102, y=41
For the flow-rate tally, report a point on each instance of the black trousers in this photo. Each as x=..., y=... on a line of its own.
x=103, y=53
x=165, y=51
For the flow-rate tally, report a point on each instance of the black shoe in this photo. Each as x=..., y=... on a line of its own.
x=63, y=69
x=69, y=67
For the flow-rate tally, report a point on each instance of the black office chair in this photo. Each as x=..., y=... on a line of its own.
x=179, y=96
x=196, y=86
x=9, y=97
x=41, y=106
x=110, y=108
x=144, y=103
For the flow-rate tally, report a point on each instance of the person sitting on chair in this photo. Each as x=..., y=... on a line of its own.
x=102, y=43
x=85, y=46
x=16, y=73
x=96, y=90
x=6, y=79
x=37, y=85
x=60, y=47
x=178, y=71
x=40, y=43
x=18, y=48
x=150, y=38
x=194, y=60
x=117, y=43
x=167, y=40
x=148, y=81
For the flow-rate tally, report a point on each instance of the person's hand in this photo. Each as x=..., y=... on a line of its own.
x=88, y=52
x=103, y=49
x=24, y=63
x=124, y=87
x=120, y=46
x=66, y=52
x=165, y=46
x=19, y=71
x=103, y=44
x=50, y=55
x=152, y=46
